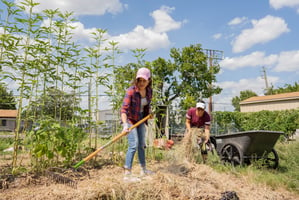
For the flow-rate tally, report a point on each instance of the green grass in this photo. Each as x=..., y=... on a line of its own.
x=285, y=176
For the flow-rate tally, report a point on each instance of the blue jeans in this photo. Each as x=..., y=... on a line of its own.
x=136, y=141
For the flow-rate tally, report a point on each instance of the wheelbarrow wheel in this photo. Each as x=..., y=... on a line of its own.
x=272, y=159
x=231, y=154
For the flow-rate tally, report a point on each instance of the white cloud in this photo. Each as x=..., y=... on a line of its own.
x=139, y=37
x=163, y=21
x=217, y=36
x=79, y=7
x=150, y=38
x=263, y=30
x=237, y=20
x=255, y=59
x=288, y=62
x=277, y=4
x=80, y=33
x=142, y=38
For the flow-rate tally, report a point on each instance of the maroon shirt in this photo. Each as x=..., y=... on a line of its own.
x=196, y=121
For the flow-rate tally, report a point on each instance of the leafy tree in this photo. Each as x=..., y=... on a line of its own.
x=7, y=100
x=187, y=79
x=56, y=99
x=243, y=95
x=287, y=88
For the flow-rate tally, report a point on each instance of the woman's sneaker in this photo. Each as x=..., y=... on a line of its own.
x=145, y=172
x=130, y=178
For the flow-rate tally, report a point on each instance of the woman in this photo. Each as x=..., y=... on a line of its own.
x=136, y=105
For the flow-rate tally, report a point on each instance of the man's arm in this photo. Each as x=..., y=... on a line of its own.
x=188, y=124
x=207, y=133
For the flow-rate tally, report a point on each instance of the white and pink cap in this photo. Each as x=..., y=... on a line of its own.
x=143, y=73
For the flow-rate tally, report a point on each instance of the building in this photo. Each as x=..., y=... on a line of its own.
x=284, y=101
x=8, y=120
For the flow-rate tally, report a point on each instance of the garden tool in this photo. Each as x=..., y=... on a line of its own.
x=111, y=141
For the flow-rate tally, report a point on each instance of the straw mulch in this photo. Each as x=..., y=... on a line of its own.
x=179, y=177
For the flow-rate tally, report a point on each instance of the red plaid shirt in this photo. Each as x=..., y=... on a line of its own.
x=132, y=104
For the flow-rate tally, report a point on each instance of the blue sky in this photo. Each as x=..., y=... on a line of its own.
x=252, y=35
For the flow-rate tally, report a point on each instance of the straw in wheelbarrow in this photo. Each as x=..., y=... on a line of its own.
x=58, y=175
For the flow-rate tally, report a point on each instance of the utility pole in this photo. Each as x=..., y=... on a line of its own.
x=213, y=57
x=264, y=76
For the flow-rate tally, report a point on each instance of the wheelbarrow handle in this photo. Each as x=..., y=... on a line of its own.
x=123, y=133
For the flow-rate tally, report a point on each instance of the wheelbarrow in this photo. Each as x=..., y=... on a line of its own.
x=243, y=147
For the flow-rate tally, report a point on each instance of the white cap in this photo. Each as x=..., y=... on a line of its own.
x=201, y=105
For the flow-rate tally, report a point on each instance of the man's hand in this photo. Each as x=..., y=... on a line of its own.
x=206, y=140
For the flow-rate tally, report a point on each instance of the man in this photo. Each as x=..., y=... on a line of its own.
x=199, y=121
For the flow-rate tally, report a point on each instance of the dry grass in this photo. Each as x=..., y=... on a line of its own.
x=179, y=177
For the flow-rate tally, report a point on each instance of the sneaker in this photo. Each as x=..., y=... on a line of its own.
x=130, y=178
x=145, y=172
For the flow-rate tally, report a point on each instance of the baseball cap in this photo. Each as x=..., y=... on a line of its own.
x=201, y=105
x=143, y=73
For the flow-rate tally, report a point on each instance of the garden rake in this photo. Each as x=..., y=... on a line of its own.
x=56, y=173
x=111, y=141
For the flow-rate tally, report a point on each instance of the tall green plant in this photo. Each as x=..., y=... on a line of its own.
x=64, y=47
x=26, y=62
x=8, y=40
x=47, y=62
x=95, y=54
x=113, y=89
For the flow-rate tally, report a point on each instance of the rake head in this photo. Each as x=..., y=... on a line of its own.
x=65, y=176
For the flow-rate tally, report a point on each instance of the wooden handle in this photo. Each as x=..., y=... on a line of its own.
x=117, y=137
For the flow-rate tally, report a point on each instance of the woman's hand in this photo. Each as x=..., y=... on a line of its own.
x=125, y=127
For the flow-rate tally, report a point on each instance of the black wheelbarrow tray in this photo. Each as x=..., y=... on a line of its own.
x=243, y=147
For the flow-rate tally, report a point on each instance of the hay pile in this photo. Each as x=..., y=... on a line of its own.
x=187, y=151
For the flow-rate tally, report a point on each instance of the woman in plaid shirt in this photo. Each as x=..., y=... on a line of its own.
x=136, y=105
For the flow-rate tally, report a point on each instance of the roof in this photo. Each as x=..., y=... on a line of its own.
x=275, y=97
x=8, y=113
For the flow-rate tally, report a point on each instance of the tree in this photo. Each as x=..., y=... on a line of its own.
x=243, y=95
x=287, y=88
x=187, y=79
x=7, y=100
x=55, y=99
